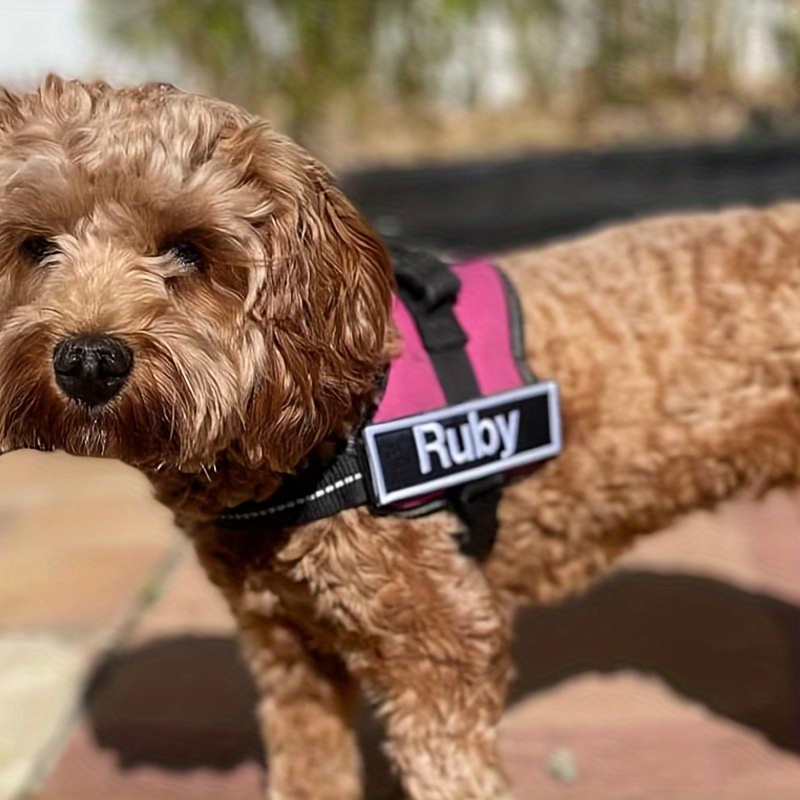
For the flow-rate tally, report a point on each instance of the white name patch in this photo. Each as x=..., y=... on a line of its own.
x=427, y=452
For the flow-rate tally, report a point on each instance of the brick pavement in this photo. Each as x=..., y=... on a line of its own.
x=82, y=546
x=676, y=679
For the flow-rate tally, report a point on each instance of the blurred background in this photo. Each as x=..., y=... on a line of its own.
x=403, y=81
x=472, y=125
x=466, y=123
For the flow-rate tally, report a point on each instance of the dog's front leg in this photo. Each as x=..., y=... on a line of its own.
x=306, y=714
x=430, y=647
x=446, y=749
x=442, y=698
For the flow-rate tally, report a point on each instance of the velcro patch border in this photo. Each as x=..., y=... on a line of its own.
x=442, y=453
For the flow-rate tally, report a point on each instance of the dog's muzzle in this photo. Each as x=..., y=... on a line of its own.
x=91, y=369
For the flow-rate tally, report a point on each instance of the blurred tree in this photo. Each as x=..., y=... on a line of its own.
x=312, y=59
x=310, y=54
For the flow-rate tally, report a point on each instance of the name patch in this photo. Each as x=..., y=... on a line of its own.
x=428, y=452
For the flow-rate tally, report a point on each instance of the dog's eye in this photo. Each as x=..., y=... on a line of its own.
x=39, y=248
x=187, y=254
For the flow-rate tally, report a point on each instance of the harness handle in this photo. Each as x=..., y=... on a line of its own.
x=430, y=283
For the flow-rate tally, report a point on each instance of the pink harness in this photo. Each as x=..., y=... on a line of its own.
x=482, y=310
x=459, y=414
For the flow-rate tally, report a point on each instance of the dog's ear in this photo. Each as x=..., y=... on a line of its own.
x=321, y=298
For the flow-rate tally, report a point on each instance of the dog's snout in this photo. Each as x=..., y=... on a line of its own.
x=92, y=369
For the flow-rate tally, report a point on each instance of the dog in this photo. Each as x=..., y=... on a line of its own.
x=186, y=290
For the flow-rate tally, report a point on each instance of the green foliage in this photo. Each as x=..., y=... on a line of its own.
x=313, y=57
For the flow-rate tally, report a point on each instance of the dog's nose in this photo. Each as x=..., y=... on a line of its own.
x=93, y=368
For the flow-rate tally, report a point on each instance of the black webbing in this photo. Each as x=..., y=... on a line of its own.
x=314, y=494
x=429, y=289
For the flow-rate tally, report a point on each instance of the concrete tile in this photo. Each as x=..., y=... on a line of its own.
x=39, y=682
x=188, y=605
x=704, y=543
x=30, y=479
x=172, y=710
x=76, y=588
x=78, y=540
x=172, y=717
x=752, y=543
x=644, y=646
x=774, y=528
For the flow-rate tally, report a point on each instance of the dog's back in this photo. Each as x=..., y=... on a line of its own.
x=676, y=345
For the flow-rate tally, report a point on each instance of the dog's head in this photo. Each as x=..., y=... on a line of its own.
x=177, y=281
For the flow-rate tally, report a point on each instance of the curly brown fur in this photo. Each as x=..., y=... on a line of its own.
x=676, y=344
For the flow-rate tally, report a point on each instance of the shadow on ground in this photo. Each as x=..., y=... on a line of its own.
x=736, y=652
x=188, y=702
x=182, y=703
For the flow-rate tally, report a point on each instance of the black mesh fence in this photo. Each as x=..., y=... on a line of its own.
x=494, y=205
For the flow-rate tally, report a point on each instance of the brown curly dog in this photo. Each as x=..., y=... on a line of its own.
x=245, y=310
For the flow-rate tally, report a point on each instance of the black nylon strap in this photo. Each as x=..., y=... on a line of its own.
x=429, y=289
x=312, y=495
x=476, y=505
x=448, y=356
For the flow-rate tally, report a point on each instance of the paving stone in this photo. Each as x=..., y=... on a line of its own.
x=79, y=538
x=39, y=683
x=774, y=528
x=754, y=543
x=75, y=588
x=189, y=605
x=675, y=679
x=688, y=754
x=30, y=478
x=627, y=698
x=172, y=710
x=710, y=544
